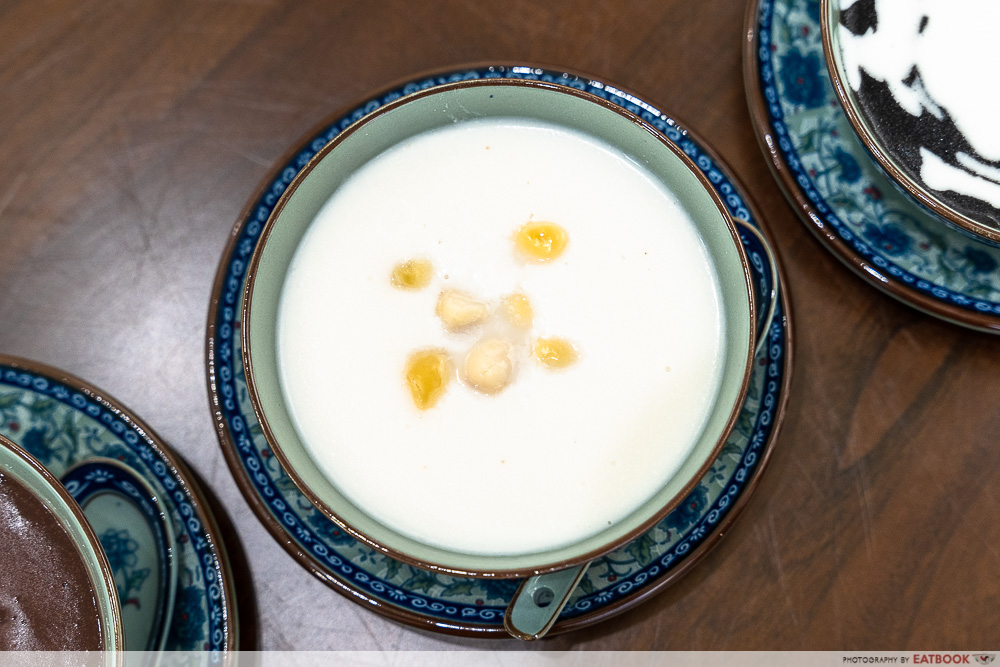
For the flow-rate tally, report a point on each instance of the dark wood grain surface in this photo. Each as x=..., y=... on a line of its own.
x=133, y=133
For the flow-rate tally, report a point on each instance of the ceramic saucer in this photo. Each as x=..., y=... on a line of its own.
x=63, y=421
x=471, y=606
x=839, y=191
x=134, y=530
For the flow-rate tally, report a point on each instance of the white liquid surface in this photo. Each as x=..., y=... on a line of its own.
x=557, y=455
x=956, y=55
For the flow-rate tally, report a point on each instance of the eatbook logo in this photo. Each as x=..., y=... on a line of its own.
x=952, y=658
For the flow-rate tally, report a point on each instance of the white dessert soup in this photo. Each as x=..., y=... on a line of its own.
x=543, y=454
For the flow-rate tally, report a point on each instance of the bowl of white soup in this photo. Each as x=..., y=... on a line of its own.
x=498, y=329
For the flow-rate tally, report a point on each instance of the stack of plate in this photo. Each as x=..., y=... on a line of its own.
x=170, y=568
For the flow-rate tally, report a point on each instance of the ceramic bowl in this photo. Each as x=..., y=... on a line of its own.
x=72, y=535
x=426, y=110
x=912, y=136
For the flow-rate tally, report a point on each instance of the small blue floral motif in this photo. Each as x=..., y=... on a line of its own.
x=689, y=510
x=604, y=596
x=850, y=170
x=121, y=550
x=187, y=629
x=98, y=476
x=395, y=594
x=800, y=75
x=35, y=443
x=979, y=260
x=890, y=239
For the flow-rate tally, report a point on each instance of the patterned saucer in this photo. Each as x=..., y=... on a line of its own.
x=462, y=605
x=134, y=529
x=839, y=191
x=63, y=421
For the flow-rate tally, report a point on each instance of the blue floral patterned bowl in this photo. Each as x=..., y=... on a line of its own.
x=901, y=142
x=838, y=190
x=475, y=607
x=422, y=111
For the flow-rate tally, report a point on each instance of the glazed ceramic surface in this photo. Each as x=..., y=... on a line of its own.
x=838, y=190
x=468, y=605
x=441, y=107
x=135, y=532
x=901, y=142
x=25, y=468
x=62, y=421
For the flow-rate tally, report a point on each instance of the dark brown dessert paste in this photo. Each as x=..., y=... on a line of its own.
x=47, y=600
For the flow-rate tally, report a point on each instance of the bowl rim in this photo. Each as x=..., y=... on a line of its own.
x=113, y=637
x=869, y=139
x=538, y=568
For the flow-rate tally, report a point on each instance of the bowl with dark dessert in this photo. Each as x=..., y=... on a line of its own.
x=57, y=591
x=907, y=76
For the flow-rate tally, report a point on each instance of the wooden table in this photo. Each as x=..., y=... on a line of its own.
x=134, y=133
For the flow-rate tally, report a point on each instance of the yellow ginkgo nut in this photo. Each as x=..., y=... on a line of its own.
x=412, y=274
x=555, y=352
x=542, y=241
x=427, y=375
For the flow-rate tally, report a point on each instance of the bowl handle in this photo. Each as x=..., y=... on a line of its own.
x=536, y=605
x=767, y=276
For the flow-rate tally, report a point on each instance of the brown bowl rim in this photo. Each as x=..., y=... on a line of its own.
x=915, y=190
x=544, y=566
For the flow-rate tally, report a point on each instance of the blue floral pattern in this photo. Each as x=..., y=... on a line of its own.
x=889, y=238
x=187, y=629
x=850, y=170
x=34, y=442
x=133, y=557
x=800, y=74
x=122, y=557
x=896, y=242
x=689, y=510
x=979, y=260
x=462, y=603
